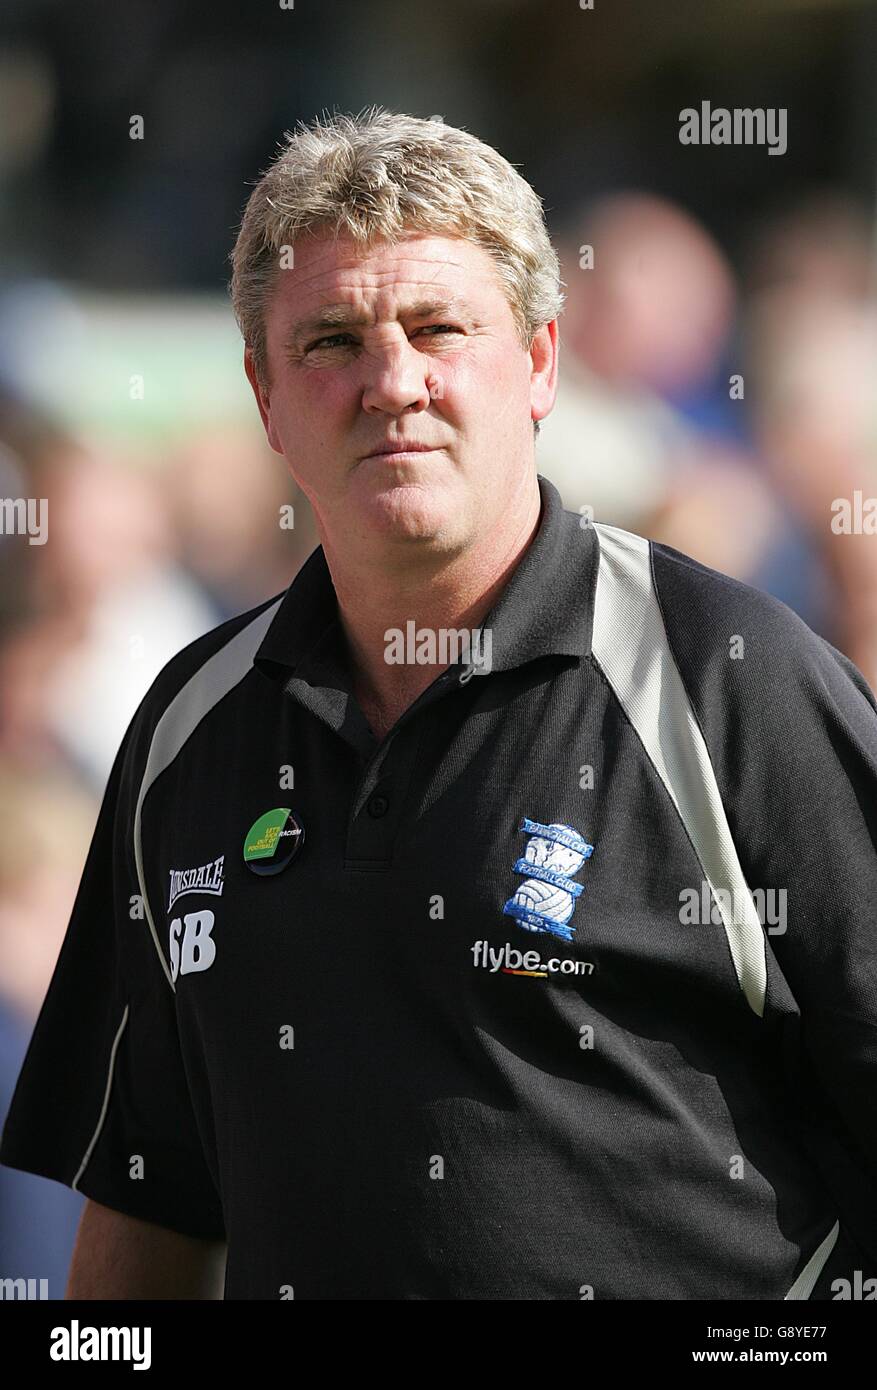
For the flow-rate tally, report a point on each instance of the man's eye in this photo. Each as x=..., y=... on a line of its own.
x=334, y=339
x=322, y=342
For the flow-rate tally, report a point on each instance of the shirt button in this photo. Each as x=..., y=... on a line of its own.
x=378, y=806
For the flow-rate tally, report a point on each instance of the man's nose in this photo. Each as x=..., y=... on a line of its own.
x=396, y=376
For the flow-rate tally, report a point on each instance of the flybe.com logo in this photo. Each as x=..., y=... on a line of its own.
x=510, y=961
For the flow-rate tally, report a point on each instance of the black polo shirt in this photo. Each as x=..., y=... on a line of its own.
x=453, y=1014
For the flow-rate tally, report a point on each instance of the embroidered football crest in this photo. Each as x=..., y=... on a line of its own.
x=545, y=900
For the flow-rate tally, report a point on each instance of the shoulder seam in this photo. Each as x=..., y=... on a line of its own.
x=106, y=1101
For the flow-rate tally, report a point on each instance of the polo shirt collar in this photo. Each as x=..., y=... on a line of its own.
x=546, y=608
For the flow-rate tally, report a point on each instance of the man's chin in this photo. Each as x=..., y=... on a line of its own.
x=408, y=511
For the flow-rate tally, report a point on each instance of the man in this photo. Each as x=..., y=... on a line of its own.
x=419, y=952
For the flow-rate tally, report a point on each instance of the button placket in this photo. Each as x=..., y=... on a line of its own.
x=375, y=816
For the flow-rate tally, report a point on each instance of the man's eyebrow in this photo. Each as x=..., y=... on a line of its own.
x=346, y=316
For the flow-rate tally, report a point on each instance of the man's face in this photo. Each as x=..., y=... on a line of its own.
x=427, y=354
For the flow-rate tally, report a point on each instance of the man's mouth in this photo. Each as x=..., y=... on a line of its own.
x=402, y=449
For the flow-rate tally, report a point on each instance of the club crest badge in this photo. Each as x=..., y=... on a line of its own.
x=546, y=899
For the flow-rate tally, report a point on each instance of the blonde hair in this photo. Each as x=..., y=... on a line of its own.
x=375, y=175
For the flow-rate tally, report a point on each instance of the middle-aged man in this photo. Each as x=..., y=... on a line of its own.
x=542, y=965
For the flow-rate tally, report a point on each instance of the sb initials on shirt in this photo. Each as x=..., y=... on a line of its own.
x=198, y=949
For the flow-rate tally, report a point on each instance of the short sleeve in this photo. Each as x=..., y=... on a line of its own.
x=790, y=724
x=800, y=772
x=102, y=1102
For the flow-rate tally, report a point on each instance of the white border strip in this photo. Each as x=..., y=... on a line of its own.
x=630, y=644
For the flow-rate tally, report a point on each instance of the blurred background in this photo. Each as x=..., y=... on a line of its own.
x=717, y=348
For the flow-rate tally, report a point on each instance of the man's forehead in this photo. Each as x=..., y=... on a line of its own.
x=332, y=282
x=411, y=253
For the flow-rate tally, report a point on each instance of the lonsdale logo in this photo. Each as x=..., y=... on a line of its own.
x=273, y=840
x=207, y=878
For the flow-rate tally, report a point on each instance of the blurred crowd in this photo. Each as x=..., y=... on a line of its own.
x=145, y=548
x=720, y=410
x=723, y=413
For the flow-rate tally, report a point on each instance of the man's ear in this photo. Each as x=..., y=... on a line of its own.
x=263, y=399
x=544, y=350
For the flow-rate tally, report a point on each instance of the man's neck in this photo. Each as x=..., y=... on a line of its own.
x=450, y=595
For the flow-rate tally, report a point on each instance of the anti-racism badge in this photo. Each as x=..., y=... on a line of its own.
x=273, y=841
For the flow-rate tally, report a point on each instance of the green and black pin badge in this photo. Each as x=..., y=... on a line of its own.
x=273, y=841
